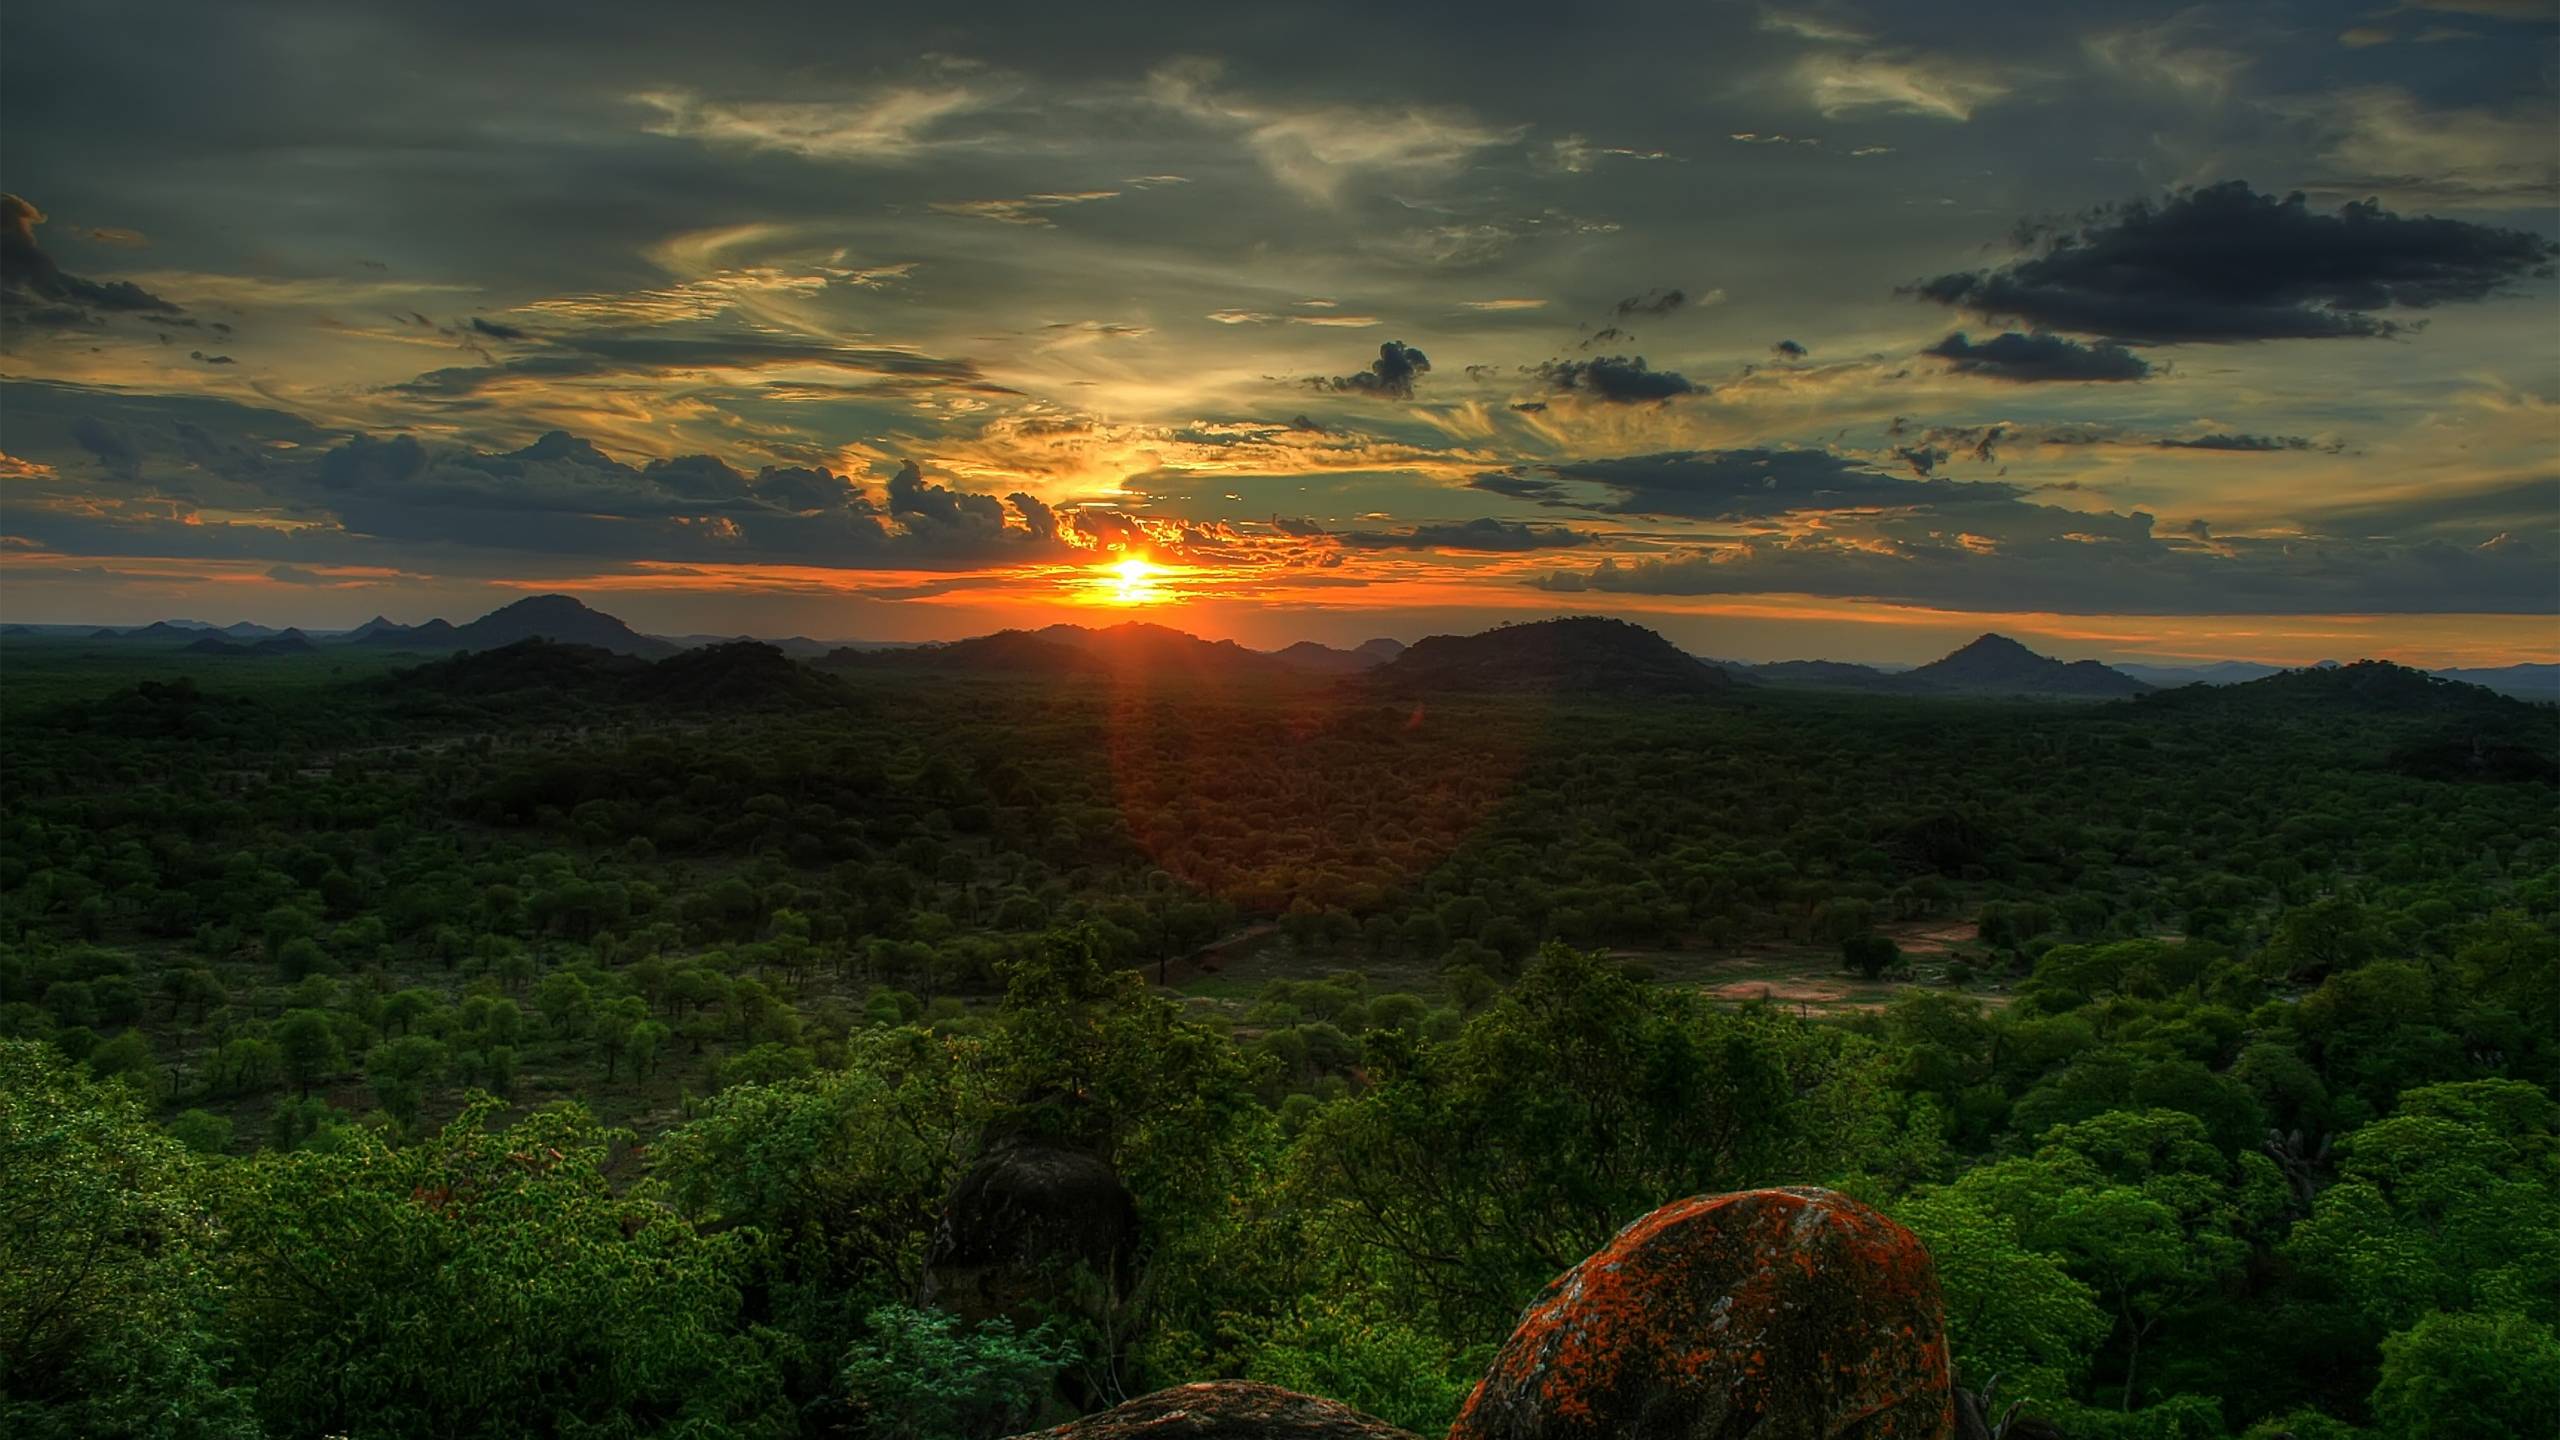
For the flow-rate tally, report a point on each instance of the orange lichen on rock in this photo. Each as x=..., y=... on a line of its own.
x=1775, y=1314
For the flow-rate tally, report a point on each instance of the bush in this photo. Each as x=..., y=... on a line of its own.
x=918, y=1376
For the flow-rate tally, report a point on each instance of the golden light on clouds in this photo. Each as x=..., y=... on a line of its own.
x=1132, y=580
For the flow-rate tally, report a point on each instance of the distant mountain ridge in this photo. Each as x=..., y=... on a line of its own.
x=1579, y=655
x=2374, y=687
x=1996, y=664
x=562, y=619
x=735, y=675
x=1132, y=650
x=1991, y=665
x=1320, y=659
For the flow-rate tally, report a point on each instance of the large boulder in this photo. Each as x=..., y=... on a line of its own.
x=1034, y=1226
x=1226, y=1410
x=1770, y=1314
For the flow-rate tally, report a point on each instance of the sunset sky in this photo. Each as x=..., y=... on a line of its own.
x=2135, y=331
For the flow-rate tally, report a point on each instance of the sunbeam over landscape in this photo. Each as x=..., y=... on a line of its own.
x=1730, y=721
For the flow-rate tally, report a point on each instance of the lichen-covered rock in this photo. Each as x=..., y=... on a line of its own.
x=1767, y=1314
x=1033, y=1225
x=1226, y=1410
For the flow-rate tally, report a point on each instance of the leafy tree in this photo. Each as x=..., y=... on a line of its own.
x=2012, y=1313
x=307, y=1043
x=400, y=1071
x=1869, y=953
x=918, y=1375
x=105, y=1290
x=1476, y=1170
x=2452, y=1204
x=484, y=1282
x=2454, y=1375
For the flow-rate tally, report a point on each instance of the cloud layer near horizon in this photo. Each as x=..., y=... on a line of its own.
x=1006, y=298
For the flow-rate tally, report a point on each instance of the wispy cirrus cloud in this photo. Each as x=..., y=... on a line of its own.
x=891, y=126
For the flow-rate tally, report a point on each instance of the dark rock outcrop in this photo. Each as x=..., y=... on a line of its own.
x=1226, y=1410
x=1025, y=1225
x=1771, y=1314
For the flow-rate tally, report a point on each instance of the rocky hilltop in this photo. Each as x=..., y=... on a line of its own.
x=1792, y=1314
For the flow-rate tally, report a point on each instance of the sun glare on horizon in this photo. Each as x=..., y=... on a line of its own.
x=1132, y=580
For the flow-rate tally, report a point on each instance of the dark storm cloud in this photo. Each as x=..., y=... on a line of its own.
x=1391, y=375
x=1487, y=536
x=494, y=330
x=1984, y=440
x=2074, y=562
x=39, y=292
x=1616, y=379
x=559, y=495
x=563, y=494
x=1788, y=350
x=2225, y=263
x=2246, y=444
x=2027, y=359
x=1520, y=487
x=1733, y=485
x=1656, y=301
x=111, y=446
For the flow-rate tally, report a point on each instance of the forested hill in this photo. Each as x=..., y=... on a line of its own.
x=2000, y=665
x=1580, y=655
x=552, y=1041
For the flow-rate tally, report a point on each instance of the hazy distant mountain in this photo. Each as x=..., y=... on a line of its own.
x=1136, y=650
x=798, y=647
x=2369, y=687
x=1829, y=675
x=2523, y=682
x=569, y=672
x=1139, y=646
x=287, y=642
x=734, y=675
x=2452, y=730
x=561, y=619
x=431, y=636
x=1998, y=665
x=1579, y=655
x=1318, y=659
x=1005, y=653
x=2220, y=672
x=558, y=618
x=738, y=675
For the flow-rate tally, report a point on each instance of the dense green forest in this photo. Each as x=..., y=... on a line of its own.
x=544, y=1042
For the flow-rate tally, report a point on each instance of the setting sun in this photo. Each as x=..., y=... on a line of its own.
x=1133, y=582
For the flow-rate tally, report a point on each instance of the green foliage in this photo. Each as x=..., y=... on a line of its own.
x=483, y=1282
x=2014, y=1314
x=1475, y=1171
x=106, y=1291
x=1373, y=1363
x=919, y=1375
x=2252, y=1071
x=1869, y=953
x=2451, y=1204
x=2469, y=1375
